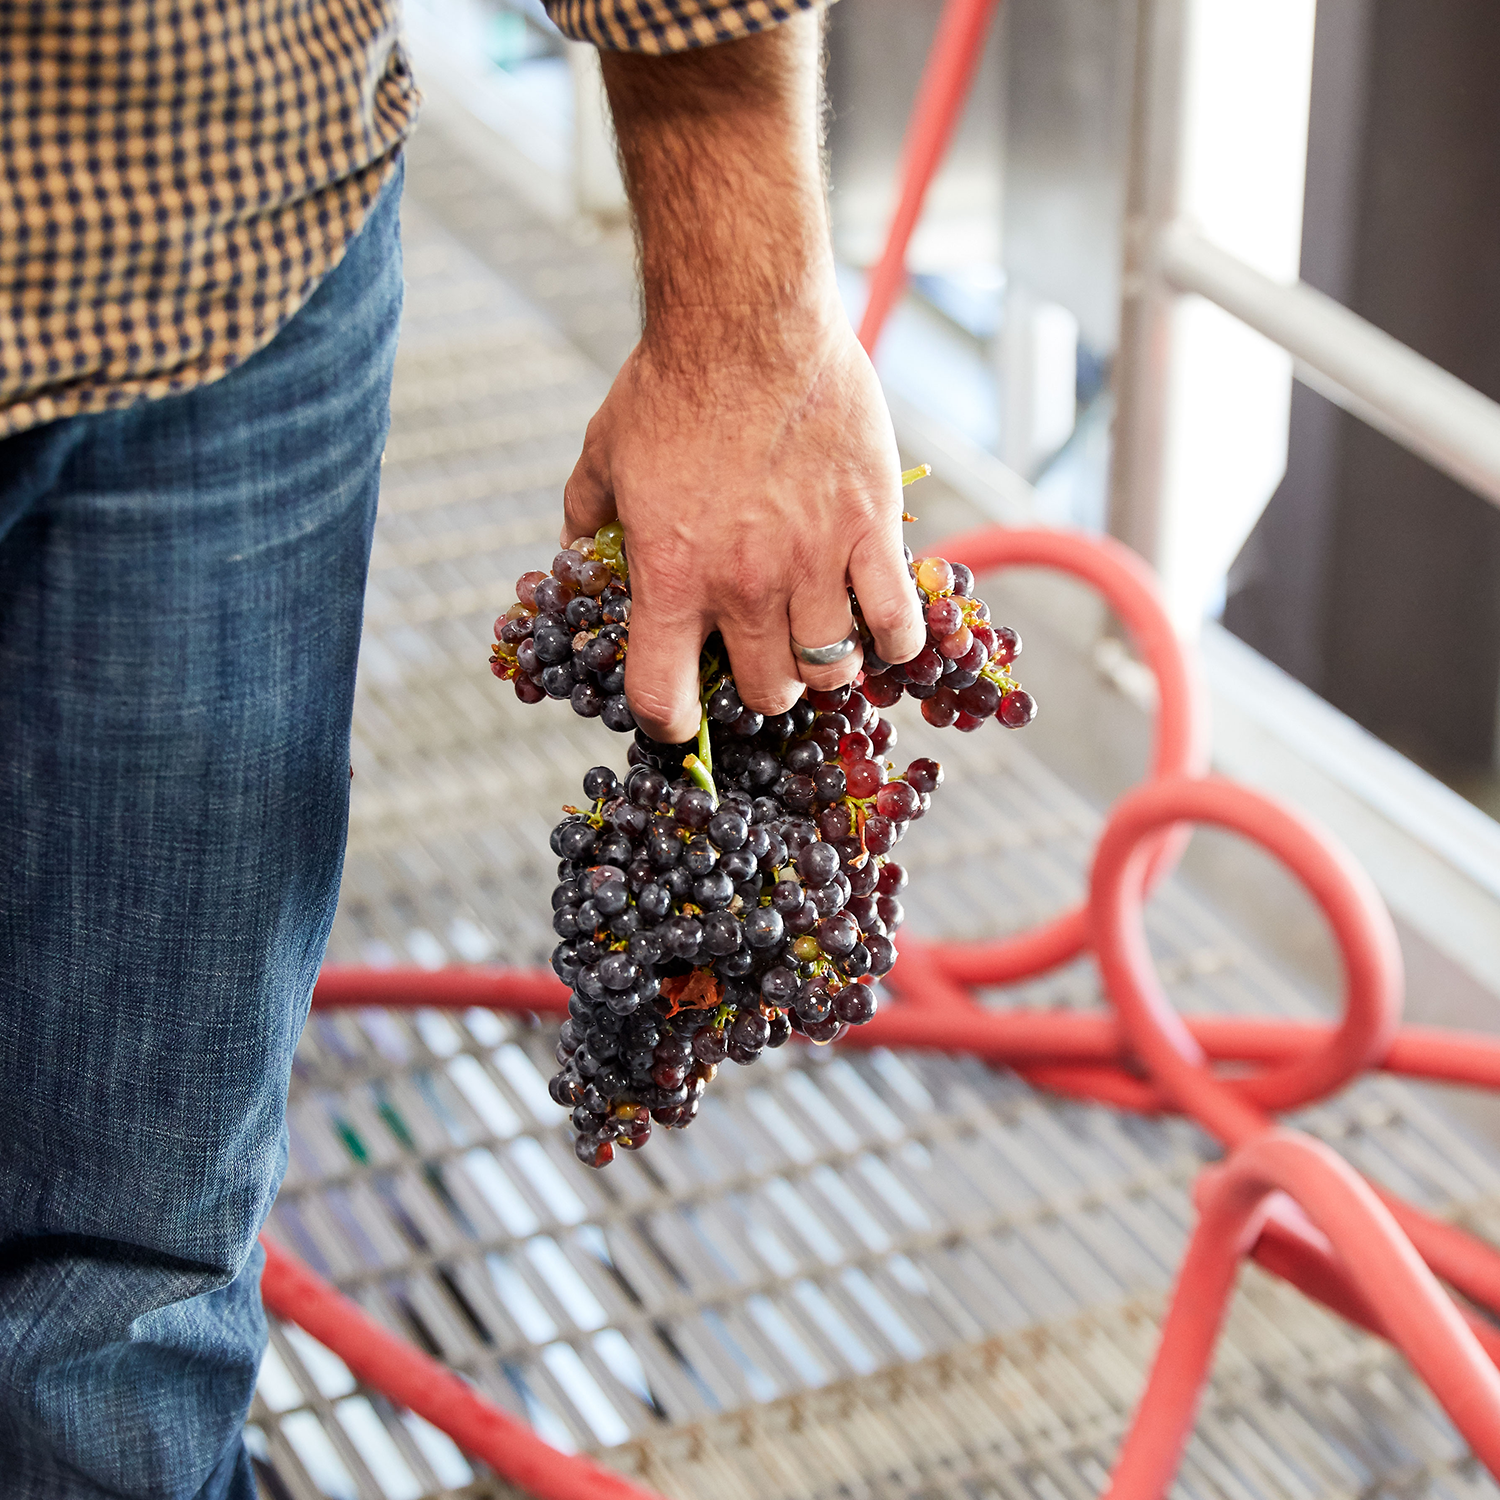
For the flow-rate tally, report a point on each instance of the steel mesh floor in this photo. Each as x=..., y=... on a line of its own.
x=857, y=1275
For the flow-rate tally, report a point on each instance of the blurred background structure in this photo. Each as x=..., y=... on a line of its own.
x=909, y=1276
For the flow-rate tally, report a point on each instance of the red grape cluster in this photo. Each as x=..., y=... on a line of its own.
x=736, y=888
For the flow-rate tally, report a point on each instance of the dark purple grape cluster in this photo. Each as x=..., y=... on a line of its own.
x=962, y=675
x=697, y=927
x=737, y=888
x=565, y=636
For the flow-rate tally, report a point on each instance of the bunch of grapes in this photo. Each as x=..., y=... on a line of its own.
x=738, y=887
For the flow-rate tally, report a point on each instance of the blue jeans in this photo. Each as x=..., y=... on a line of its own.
x=181, y=587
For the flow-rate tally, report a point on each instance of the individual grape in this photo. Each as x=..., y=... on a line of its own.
x=897, y=800
x=882, y=691
x=1017, y=709
x=586, y=699
x=944, y=616
x=721, y=932
x=576, y=841
x=786, y=897
x=880, y=834
x=925, y=668
x=855, y=1004
x=710, y=1044
x=980, y=699
x=694, y=808
x=728, y=829
x=610, y=540
x=764, y=927
x=552, y=646
x=594, y=1148
x=582, y=613
x=800, y=793
x=924, y=775
x=713, y=891
x=817, y=863
x=699, y=856
x=528, y=692
x=941, y=709
x=963, y=580
x=724, y=705
x=967, y=723
x=865, y=777
x=1007, y=645
x=935, y=576
x=854, y=746
x=750, y=1030
x=829, y=783
x=804, y=757
x=837, y=934
x=552, y=596
x=882, y=955
x=526, y=588
x=829, y=700
x=600, y=782
x=957, y=645
x=778, y=986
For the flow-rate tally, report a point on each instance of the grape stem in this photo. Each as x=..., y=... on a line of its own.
x=705, y=750
x=910, y=476
x=701, y=775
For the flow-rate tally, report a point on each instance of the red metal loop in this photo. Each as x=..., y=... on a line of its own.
x=956, y=50
x=1181, y=739
x=1416, y=1314
x=1233, y=1109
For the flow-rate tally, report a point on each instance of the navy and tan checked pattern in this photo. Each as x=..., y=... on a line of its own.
x=658, y=26
x=177, y=176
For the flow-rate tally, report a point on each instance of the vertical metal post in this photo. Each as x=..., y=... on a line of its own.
x=1151, y=202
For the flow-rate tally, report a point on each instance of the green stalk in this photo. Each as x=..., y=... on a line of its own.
x=701, y=775
x=910, y=476
x=705, y=750
x=701, y=766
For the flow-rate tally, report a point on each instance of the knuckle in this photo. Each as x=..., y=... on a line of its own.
x=748, y=585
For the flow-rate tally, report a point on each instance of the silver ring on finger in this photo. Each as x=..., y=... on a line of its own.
x=827, y=656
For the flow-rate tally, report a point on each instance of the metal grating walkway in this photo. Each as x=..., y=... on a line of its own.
x=857, y=1275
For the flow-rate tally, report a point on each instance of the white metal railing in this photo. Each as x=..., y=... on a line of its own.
x=1352, y=363
x=1160, y=505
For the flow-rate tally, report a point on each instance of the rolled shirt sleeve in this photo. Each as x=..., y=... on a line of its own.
x=661, y=26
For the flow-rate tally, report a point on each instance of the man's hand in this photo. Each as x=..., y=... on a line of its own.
x=745, y=445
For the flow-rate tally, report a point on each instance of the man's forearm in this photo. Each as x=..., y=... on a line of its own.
x=744, y=445
x=722, y=155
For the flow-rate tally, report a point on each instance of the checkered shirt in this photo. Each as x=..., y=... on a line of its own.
x=177, y=176
x=658, y=26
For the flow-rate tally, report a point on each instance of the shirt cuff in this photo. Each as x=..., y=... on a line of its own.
x=662, y=26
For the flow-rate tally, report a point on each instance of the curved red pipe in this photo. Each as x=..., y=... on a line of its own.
x=956, y=50
x=1375, y=1257
x=394, y=1367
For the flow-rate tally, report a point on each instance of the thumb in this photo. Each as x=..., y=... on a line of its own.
x=589, y=495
